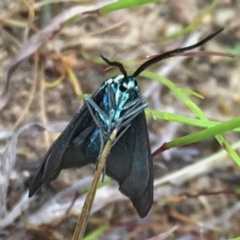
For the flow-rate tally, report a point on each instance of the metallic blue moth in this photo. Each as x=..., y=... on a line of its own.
x=116, y=104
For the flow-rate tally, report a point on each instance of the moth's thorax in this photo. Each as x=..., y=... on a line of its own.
x=118, y=91
x=123, y=88
x=119, y=99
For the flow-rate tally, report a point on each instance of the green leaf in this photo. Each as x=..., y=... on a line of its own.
x=97, y=232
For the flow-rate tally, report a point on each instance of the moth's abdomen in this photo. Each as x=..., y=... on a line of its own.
x=93, y=144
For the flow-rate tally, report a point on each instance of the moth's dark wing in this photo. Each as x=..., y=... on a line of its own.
x=56, y=158
x=74, y=156
x=52, y=162
x=130, y=164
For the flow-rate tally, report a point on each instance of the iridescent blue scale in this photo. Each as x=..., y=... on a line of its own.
x=124, y=91
x=118, y=93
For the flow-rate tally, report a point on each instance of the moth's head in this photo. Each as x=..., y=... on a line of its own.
x=123, y=85
x=121, y=82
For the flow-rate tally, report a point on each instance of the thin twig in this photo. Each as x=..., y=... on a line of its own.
x=83, y=218
x=32, y=93
x=42, y=107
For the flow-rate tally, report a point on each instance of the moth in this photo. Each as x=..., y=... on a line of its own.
x=117, y=103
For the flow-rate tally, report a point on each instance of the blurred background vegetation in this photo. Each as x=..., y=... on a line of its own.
x=196, y=185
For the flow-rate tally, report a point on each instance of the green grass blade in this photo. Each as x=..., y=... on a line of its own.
x=121, y=4
x=206, y=133
x=193, y=24
x=97, y=232
x=196, y=110
x=182, y=119
x=191, y=92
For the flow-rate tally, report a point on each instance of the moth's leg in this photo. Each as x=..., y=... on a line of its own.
x=111, y=99
x=102, y=137
x=96, y=118
x=112, y=106
x=92, y=105
x=134, y=102
x=120, y=134
x=132, y=112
